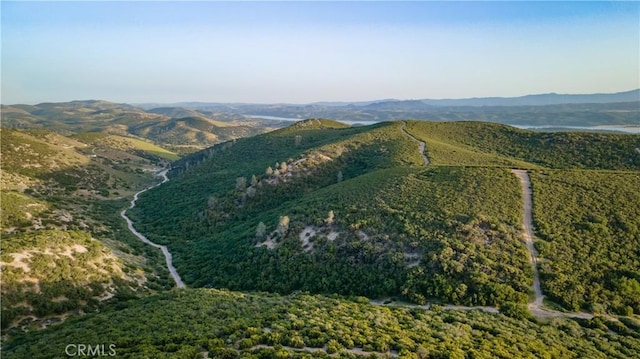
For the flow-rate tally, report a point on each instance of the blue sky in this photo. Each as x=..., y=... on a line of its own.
x=300, y=52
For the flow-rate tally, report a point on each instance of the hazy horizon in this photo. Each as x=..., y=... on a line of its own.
x=312, y=102
x=305, y=52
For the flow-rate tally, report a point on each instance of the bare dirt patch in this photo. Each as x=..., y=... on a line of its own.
x=305, y=237
x=19, y=261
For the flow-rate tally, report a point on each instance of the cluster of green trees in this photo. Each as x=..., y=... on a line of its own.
x=188, y=323
x=588, y=223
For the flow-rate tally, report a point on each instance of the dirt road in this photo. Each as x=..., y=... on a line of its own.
x=527, y=220
x=422, y=146
x=536, y=306
x=165, y=251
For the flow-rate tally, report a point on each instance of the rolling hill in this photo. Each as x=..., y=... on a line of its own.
x=179, y=129
x=327, y=208
x=324, y=214
x=64, y=249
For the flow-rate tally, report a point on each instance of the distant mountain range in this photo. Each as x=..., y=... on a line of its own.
x=621, y=108
x=540, y=99
x=201, y=124
x=527, y=100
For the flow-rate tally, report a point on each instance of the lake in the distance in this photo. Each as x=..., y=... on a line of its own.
x=630, y=129
x=275, y=118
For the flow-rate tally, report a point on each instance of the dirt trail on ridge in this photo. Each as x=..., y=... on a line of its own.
x=422, y=146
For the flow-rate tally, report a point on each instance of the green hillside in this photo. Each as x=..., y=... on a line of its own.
x=127, y=144
x=331, y=209
x=330, y=217
x=479, y=143
x=220, y=324
x=91, y=163
x=197, y=132
x=52, y=272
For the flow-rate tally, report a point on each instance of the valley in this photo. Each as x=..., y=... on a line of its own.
x=165, y=252
x=328, y=239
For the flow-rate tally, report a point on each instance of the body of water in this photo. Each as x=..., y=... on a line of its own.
x=630, y=129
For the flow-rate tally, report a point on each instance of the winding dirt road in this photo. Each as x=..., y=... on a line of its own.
x=527, y=220
x=165, y=251
x=422, y=146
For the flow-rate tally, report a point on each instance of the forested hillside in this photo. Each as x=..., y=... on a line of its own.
x=210, y=323
x=321, y=207
x=330, y=209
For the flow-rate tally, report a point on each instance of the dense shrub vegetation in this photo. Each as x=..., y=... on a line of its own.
x=449, y=232
x=498, y=144
x=61, y=231
x=320, y=207
x=52, y=272
x=589, y=226
x=188, y=323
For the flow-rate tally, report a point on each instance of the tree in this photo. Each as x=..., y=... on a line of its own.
x=515, y=310
x=241, y=183
x=339, y=176
x=261, y=230
x=283, y=225
x=298, y=140
x=212, y=202
x=269, y=171
x=284, y=167
x=329, y=219
x=254, y=180
x=333, y=346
